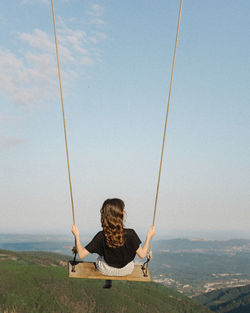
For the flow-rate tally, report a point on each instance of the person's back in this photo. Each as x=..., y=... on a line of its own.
x=115, y=245
x=115, y=256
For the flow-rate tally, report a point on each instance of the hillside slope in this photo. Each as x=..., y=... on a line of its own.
x=38, y=283
x=229, y=300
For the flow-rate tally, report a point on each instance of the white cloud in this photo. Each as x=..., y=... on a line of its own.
x=38, y=39
x=98, y=21
x=72, y=40
x=8, y=118
x=26, y=80
x=97, y=37
x=85, y=60
x=96, y=10
x=47, y=2
x=8, y=142
x=41, y=41
x=24, y=2
x=28, y=76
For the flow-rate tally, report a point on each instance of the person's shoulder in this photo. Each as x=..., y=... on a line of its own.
x=98, y=235
x=129, y=231
x=131, y=236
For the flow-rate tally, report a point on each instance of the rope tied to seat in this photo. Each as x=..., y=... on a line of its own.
x=64, y=124
x=149, y=255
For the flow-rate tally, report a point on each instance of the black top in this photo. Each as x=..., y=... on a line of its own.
x=116, y=257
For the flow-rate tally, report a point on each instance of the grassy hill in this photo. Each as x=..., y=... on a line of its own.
x=38, y=283
x=192, y=266
x=229, y=300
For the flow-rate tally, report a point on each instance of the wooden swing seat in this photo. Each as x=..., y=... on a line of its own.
x=88, y=270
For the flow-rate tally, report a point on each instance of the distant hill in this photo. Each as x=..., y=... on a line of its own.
x=57, y=243
x=228, y=247
x=37, y=282
x=228, y=300
x=63, y=244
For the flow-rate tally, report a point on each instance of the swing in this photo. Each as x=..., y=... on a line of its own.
x=80, y=269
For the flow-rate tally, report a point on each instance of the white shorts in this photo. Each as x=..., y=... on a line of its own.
x=108, y=270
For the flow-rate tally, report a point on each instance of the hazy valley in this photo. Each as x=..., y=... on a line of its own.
x=192, y=266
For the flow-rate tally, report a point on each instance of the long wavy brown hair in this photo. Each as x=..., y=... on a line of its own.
x=112, y=222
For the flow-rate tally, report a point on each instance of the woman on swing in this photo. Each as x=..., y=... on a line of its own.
x=116, y=246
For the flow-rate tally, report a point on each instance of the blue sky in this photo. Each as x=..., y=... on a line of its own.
x=116, y=61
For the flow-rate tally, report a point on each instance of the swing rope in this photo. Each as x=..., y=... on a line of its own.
x=149, y=256
x=62, y=103
x=65, y=131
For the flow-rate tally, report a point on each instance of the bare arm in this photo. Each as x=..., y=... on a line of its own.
x=142, y=251
x=82, y=252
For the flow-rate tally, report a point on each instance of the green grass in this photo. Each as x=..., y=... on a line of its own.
x=229, y=300
x=30, y=284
